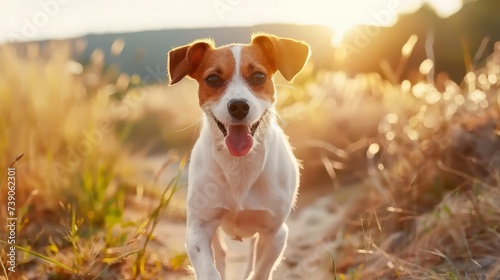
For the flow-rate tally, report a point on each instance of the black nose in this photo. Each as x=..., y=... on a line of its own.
x=238, y=108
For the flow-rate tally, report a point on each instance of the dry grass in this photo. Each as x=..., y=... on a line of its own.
x=73, y=179
x=432, y=158
x=428, y=151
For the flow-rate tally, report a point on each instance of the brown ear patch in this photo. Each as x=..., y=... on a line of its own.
x=289, y=55
x=185, y=60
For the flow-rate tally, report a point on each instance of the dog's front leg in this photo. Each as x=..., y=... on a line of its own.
x=269, y=251
x=219, y=247
x=251, y=263
x=199, y=236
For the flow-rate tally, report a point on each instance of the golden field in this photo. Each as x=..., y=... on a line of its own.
x=421, y=158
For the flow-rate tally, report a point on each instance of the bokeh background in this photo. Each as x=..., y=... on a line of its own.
x=395, y=118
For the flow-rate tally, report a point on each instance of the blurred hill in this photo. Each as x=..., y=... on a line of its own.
x=459, y=42
x=145, y=53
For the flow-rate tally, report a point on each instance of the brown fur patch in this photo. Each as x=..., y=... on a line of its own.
x=253, y=59
x=219, y=62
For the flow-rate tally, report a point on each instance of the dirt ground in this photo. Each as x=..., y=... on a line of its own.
x=320, y=213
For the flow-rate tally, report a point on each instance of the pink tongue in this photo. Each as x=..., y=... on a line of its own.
x=238, y=140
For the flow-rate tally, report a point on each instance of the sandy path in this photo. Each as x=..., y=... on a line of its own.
x=307, y=253
x=320, y=215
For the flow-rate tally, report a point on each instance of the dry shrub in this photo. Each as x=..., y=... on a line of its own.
x=439, y=162
x=431, y=154
x=71, y=183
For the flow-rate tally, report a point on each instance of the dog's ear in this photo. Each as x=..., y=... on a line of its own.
x=289, y=55
x=185, y=60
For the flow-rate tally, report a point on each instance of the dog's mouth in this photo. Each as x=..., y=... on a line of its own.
x=223, y=128
x=238, y=136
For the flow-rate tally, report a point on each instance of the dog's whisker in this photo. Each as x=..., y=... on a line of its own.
x=189, y=126
x=287, y=86
x=198, y=126
x=278, y=116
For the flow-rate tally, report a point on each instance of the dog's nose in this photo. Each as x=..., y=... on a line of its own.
x=238, y=108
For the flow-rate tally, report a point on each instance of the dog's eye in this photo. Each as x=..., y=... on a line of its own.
x=214, y=81
x=257, y=78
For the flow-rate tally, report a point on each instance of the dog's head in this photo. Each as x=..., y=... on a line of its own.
x=236, y=87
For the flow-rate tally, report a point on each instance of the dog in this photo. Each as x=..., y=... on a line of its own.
x=243, y=176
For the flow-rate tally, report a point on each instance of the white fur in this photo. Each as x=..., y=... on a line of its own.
x=247, y=197
x=237, y=89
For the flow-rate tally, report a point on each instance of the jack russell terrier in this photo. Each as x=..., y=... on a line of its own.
x=243, y=176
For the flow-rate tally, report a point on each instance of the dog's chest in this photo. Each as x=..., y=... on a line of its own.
x=242, y=183
x=246, y=223
x=248, y=211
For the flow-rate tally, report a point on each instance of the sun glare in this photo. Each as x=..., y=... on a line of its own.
x=344, y=17
x=445, y=8
x=339, y=33
x=377, y=13
x=340, y=15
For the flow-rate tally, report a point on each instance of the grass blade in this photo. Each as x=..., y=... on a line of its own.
x=38, y=255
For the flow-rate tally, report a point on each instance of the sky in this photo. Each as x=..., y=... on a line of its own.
x=25, y=20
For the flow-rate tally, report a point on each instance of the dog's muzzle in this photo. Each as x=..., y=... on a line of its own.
x=238, y=137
